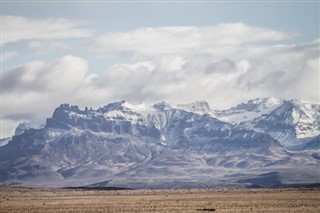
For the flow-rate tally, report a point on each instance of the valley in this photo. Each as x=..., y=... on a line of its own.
x=218, y=200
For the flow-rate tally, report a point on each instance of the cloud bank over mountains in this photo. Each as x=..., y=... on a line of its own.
x=223, y=64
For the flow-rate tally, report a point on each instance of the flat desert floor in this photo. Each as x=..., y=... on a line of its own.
x=244, y=200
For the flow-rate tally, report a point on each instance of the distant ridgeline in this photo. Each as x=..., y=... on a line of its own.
x=265, y=142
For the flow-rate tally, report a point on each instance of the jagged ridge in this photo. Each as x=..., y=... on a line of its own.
x=143, y=146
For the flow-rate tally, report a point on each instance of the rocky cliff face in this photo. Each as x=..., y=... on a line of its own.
x=181, y=145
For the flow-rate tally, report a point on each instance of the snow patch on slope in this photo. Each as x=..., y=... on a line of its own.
x=250, y=110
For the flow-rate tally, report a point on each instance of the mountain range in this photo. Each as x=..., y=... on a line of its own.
x=265, y=142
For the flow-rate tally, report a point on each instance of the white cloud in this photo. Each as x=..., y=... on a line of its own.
x=32, y=91
x=223, y=64
x=62, y=75
x=307, y=85
x=6, y=56
x=216, y=39
x=42, y=47
x=8, y=127
x=16, y=28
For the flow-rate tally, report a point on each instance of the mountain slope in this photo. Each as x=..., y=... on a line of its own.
x=250, y=110
x=164, y=145
x=292, y=123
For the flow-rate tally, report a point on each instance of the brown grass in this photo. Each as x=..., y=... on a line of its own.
x=67, y=200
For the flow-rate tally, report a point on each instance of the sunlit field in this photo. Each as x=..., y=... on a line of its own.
x=244, y=200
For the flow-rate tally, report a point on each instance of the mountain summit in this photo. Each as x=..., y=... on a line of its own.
x=168, y=145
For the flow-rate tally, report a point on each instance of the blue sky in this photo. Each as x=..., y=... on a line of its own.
x=293, y=16
x=91, y=53
x=107, y=16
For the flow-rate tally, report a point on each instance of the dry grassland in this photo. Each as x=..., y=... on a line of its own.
x=67, y=200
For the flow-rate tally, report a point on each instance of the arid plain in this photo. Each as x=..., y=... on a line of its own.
x=231, y=200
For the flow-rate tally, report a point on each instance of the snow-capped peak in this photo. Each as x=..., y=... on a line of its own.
x=140, y=107
x=201, y=107
x=198, y=107
x=295, y=101
x=250, y=110
x=112, y=106
x=124, y=106
x=260, y=104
